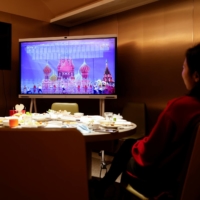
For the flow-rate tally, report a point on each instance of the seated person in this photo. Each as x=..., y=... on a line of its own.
x=159, y=157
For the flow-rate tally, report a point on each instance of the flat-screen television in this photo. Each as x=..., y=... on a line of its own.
x=68, y=67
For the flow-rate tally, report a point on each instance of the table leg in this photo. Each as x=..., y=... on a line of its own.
x=89, y=162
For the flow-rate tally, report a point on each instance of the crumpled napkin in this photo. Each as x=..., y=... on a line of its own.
x=83, y=128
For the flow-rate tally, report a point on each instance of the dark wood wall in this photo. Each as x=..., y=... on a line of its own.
x=152, y=40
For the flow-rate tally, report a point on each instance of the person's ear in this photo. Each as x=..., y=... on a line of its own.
x=196, y=76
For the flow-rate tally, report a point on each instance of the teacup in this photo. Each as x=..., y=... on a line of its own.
x=13, y=122
x=95, y=125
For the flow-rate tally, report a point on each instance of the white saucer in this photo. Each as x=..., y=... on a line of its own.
x=28, y=126
x=109, y=126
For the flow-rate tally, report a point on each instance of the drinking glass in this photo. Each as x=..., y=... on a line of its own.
x=108, y=116
x=27, y=119
x=90, y=124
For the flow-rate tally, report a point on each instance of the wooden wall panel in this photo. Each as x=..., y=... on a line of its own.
x=130, y=45
x=196, y=21
x=9, y=79
x=152, y=40
x=152, y=43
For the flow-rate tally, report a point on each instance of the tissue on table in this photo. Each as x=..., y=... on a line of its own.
x=83, y=128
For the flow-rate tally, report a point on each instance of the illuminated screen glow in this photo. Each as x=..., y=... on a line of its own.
x=75, y=66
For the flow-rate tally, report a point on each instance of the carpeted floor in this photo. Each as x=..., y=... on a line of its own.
x=96, y=165
x=113, y=193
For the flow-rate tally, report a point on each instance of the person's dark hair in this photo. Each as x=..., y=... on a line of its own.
x=193, y=61
x=193, y=58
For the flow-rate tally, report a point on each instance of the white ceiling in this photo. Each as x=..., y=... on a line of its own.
x=68, y=12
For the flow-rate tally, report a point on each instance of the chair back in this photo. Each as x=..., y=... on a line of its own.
x=136, y=113
x=70, y=107
x=190, y=189
x=42, y=164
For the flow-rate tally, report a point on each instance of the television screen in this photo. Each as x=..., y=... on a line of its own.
x=76, y=67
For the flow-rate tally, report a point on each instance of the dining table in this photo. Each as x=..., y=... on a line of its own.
x=94, y=128
x=94, y=138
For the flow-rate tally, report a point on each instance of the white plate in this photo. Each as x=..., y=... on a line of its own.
x=53, y=126
x=120, y=120
x=11, y=117
x=106, y=130
x=28, y=126
x=68, y=119
x=110, y=126
x=59, y=123
x=123, y=123
x=78, y=114
x=40, y=119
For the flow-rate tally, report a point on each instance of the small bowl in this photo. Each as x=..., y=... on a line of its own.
x=104, y=122
x=66, y=113
x=5, y=122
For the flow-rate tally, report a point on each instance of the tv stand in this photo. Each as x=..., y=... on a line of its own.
x=102, y=106
x=33, y=103
x=33, y=106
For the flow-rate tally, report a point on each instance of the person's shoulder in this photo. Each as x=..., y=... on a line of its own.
x=183, y=101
